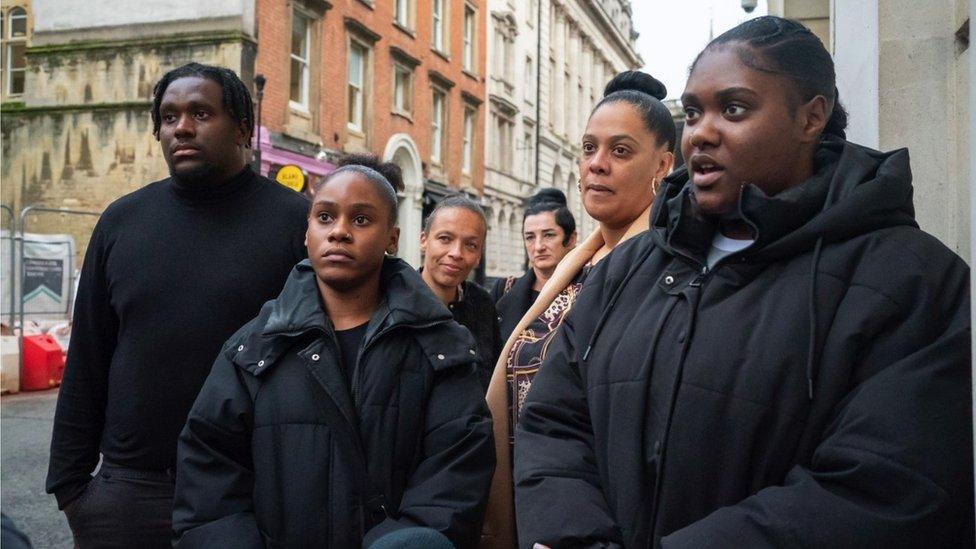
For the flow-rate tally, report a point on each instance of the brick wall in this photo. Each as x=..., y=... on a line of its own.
x=329, y=77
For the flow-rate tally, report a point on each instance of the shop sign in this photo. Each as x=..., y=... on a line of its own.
x=292, y=177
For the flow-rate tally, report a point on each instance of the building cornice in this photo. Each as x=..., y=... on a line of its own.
x=190, y=39
x=18, y=108
x=611, y=31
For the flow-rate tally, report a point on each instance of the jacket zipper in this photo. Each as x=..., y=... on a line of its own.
x=693, y=301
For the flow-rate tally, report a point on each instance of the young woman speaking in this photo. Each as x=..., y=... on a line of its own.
x=782, y=360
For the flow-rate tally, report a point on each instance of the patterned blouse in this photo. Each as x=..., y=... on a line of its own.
x=531, y=347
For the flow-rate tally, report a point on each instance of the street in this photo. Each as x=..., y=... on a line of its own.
x=25, y=437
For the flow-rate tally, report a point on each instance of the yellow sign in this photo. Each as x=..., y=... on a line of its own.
x=292, y=177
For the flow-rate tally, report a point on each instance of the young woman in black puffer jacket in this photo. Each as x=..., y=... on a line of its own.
x=782, y=360
x=348, y=410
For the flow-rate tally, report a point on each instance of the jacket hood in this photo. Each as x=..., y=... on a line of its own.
x=854, y=190
x=407, y=302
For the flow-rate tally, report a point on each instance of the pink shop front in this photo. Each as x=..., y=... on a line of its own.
x=277, y=150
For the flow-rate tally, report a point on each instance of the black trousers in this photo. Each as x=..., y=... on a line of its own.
x=123, y=508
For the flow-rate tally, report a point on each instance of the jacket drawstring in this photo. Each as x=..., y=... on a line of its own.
x=812, y=349
x=812, y=358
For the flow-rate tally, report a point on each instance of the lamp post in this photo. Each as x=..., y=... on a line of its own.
x=259, y=82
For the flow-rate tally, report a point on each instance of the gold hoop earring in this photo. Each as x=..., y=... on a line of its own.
x=655, y=185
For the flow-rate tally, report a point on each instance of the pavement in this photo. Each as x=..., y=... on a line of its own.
x=25, y=437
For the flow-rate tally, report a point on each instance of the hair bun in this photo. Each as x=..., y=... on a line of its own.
x=636, y=81
x=550, y=195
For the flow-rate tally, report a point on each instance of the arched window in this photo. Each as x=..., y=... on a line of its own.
x=13, y=66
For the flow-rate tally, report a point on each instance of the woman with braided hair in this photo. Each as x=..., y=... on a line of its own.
x=782, y=360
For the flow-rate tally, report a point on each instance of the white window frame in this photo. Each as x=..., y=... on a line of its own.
x=438, y=33
x=467, y=145
x=438, y=124
x=305, y=62
x=469, y=32
x=9, y=41
x=402, y=13
x=356, y=113
x=402, y=101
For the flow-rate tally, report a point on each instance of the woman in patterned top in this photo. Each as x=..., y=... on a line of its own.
x=627, y=149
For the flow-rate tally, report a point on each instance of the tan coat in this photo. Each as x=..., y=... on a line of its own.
x=499, y=528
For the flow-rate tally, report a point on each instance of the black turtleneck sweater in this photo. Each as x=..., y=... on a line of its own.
x=171, y=272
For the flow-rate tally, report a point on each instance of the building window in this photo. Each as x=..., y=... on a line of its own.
x=438, y=123
x=301, y=38
x=358, y=55
x=529, y=160
x=438, y=35
x=553, y=110
x=402, y=13
x=13, y=63
x=501, y=148
x=470, y=20
x=467, y=147
x=529, y=80
x=402, y=89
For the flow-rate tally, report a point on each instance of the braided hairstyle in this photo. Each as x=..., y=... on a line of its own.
x=236, y=99
x=785, y=47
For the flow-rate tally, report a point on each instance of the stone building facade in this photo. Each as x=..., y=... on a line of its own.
x=538, y=110
x=404, y=80
x=903, y=74
x=79, y=135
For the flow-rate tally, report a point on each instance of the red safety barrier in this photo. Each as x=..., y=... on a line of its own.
x=43, y=363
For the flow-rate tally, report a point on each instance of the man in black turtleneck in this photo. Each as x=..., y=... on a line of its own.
x=171, y=272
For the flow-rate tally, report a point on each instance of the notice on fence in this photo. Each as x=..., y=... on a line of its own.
x=43, y=277
x=45, y=285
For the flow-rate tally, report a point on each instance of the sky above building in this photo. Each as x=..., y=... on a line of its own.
x=672, y=32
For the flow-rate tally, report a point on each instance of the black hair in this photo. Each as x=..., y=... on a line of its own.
x=456, y=201
x=236, y=98
x=786, y=47
x=377, y=179
x=392, y=172
x=552, y=200
x=643, y=92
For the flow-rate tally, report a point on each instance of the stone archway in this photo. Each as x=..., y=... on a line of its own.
x=402, y=151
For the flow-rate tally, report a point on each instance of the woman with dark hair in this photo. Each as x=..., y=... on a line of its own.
x=782, y=360
x=340, y=414
x=627, y=149
x=549, y=233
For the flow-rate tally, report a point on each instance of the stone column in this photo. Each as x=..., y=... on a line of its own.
x=903, y=74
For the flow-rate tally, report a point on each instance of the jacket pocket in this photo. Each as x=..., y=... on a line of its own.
x=292, y=492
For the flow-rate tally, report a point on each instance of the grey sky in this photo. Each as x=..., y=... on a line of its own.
x=672, y=32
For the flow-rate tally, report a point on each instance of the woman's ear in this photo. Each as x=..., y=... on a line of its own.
x=812, y=118
x=394, y=244
x=664, y=165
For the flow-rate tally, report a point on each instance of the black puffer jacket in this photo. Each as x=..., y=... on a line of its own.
x=269, y=453
x=811, y=391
